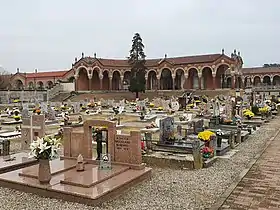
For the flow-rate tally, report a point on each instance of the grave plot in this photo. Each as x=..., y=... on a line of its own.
x=175, y=149
x=99, y=180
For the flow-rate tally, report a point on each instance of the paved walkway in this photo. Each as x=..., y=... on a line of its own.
x=260, y=188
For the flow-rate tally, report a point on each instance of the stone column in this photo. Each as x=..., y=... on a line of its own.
x=261, y=80
x=110, y=82
x=146, y=84
x=173, y=81
x=89, y=81
x=158, y=82
x=76, y=76
x=101, y=81
x=233, y=81
x=199, y=80
x=213, y=81
x=186, y=79
x=121, y=85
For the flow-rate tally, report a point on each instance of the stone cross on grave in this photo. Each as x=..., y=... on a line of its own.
x=32, y=127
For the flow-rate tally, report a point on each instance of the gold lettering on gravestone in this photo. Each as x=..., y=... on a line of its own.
x=122, y=143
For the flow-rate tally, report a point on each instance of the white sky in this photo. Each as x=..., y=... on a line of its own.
x=48, y=34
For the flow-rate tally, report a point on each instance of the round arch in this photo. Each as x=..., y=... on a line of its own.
x=31, y=85
x=152, y=80
x=166, y=81
x=19, y=84
x=256, y=80
x=221, y=72
x=116, y=80
x=192, y=81
x=266, y=80
x=276, y=80
x=83, y=80
x=105, y=80
x=95, y=82
x=40, y=85
x=207, y=78
x=49, y=84
x=179, y=78
x=81, y=68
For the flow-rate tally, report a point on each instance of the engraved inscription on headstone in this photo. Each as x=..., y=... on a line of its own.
x=166, y=128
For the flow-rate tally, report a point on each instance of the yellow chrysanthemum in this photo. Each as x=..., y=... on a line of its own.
x=205, y=135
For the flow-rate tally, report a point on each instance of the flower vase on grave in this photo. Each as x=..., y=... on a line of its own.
x=44, y=173
x=80, y=163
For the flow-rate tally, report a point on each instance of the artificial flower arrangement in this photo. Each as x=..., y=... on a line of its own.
x=190, y=105
x=205, y=135
x=264, y=110
x=151, y=105
x=248, y=113
x=38, y=111
x=63, y=107
x=17, y=117
x=90, y=104
x=132, y=103
x=207, y=152
x=160, y=108
x=45, y=148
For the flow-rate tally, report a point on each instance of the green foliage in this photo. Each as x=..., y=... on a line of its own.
x=137, y=62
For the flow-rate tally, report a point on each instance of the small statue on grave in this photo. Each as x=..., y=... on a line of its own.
x=80, y=163
x=97, y=135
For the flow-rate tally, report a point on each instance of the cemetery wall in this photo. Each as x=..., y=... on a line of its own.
x=119, y=95
x=7, y=96
x=68, y=87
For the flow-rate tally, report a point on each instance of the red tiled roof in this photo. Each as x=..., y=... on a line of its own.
x=255, y=70
x=46, y=74
x=153, y=62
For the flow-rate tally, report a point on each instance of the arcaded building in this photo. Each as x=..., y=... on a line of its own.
x=211, y=71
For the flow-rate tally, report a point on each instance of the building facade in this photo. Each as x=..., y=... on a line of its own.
x=212, y=71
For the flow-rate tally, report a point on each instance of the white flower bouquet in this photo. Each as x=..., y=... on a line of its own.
x=219, y=132
x=45, y=148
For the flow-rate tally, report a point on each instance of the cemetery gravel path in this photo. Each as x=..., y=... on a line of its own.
x=173, y=189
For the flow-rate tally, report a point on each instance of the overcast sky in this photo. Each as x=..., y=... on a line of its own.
x=49, y=34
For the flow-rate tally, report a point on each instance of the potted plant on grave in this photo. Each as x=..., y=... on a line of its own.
x=206, y=136
x=248, y=113
x=263, y=110
x=207, y=152
x=44, y=149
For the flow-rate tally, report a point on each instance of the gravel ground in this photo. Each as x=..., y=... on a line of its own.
x=168, y=189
